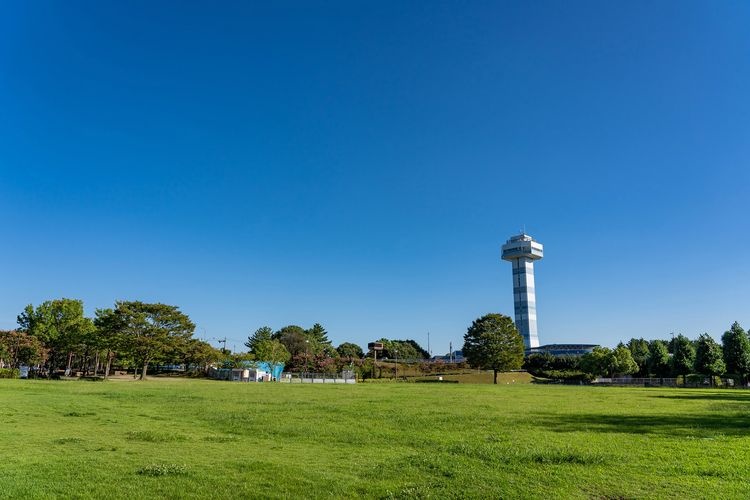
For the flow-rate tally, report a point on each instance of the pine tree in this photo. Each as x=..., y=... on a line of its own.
x=261, y=334
x=736, y=350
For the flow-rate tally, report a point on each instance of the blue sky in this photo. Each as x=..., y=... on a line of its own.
x=359, y=164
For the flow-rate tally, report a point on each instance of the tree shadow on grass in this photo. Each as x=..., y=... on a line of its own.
x=696, y=426
x=729, y=395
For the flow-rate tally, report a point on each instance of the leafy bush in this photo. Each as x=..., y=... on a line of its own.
x=9, y=373
x=538, y=363
x=570, y=375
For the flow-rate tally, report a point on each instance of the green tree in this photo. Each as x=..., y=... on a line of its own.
x=709, y=359
x=272, y=352
x=658, y=358
x=199, y=355
x=59, y=325
x=318, y=334
x=421, y=353
x=149, y=331
x=108, y=329
x=19, y=348
x=597, y=362
x=683, y=357
x=639, y=348
x=397, y=349
x=350, y=350
x=492, y=342
x=622, y=362
x=261, y=334
x=538, y=363
x=295, y=340
x=736, y=350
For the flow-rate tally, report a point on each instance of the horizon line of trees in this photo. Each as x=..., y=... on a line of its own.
x=56, y=337
x=310, y=350
x=658, y=358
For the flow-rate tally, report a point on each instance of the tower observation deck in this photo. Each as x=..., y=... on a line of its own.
x=522, y=251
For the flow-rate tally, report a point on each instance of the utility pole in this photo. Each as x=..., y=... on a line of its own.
x=450, y=352
x=223, y=341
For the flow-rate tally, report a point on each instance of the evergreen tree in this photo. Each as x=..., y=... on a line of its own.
x=708, y=357
x=318, y=334
x=736, y=350
x=658, y=358
x=639, y=349
x=261, y=334
x=683, y=357
x=295, y=340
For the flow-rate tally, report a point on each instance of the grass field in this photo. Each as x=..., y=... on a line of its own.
x=205, y=439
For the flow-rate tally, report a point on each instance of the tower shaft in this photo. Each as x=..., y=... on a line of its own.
x=524, y=300
x=522, y=251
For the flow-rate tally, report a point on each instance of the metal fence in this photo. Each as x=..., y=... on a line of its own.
x=344, y=377
x=645, y=382
x=689, y=381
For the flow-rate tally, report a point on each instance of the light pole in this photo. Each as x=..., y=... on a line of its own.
x=395, y=351
x=307, y=356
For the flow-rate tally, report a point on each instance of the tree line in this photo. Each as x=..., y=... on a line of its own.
x=56, y=337
x=310, y=350
x=678, y=356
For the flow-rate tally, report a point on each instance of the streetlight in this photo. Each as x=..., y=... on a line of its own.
x=307, y=357
x=395, y=351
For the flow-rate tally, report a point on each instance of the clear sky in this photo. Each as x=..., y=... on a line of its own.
x=359, y=164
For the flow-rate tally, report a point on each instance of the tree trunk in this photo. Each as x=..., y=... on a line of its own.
x=96, y=363
x=70, y=363
x=109, y=363
x=143, y=371
x=494, y=380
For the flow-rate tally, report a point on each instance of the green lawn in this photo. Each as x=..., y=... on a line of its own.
x=205, y=439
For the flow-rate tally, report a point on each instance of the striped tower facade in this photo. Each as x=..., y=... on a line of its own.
x=521, y=251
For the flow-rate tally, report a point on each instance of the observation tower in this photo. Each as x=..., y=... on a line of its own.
x=522, y=251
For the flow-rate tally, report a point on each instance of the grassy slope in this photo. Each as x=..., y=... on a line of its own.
x=85, y=439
